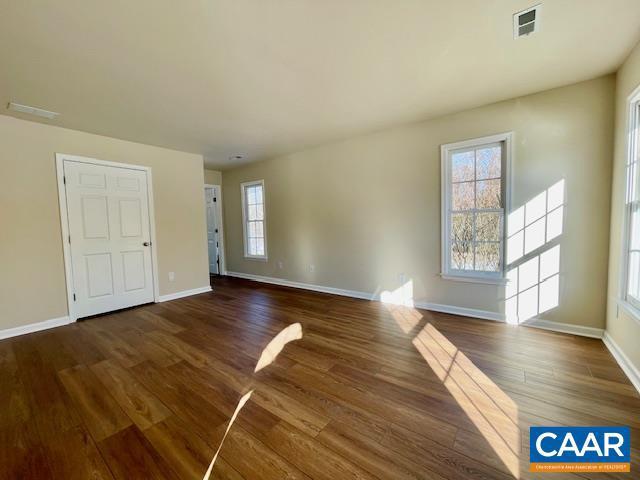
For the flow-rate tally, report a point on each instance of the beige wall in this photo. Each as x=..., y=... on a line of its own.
x=624, y=329
x=366, y=209
x=32, y=285
x=212, y=177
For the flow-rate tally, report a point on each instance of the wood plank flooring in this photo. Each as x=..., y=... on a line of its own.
x=369, y=392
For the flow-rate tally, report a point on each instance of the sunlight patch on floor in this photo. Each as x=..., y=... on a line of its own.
x=493, y=412
x=275, y=346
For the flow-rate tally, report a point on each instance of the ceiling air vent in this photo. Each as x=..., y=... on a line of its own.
x=16, y=107
x=526, y=22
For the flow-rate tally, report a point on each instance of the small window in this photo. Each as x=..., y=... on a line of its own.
x=253, y=215
x=474, y=199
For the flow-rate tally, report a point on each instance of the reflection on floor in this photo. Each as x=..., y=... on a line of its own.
x=369, y=391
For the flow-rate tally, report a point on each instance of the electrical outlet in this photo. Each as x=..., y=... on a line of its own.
x=280, y=265
x=312, y=268
x=172, y=276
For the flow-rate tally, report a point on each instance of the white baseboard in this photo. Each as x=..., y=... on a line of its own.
x=304, y=286
x=625, y=364
x=184, y=293
x=466, y=312
x=34, y=327
x=436, y=307
x=564, y=328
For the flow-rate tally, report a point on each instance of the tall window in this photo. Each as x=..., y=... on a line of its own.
x=253, y=215
x=474, y=196
x=632, y=212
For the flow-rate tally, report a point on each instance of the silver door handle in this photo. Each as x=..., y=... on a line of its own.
x=146, y=244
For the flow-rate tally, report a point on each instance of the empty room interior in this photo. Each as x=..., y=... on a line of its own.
x=305, y=239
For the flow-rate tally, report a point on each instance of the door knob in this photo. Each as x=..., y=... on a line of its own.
x=146, y=244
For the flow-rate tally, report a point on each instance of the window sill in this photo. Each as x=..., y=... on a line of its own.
x=259, y=259
x=630, y=310
x=470, y=279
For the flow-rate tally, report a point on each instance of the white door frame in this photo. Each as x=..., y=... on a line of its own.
x=222, y=267
x=64, y=223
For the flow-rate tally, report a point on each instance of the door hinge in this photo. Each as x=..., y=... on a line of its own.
x=216, y=230
x=69, y=238
x=215, y=199
x=64, y=180
x=74, y=297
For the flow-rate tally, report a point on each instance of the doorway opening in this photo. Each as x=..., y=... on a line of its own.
x=215, y=237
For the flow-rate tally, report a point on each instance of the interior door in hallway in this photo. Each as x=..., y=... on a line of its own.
x=212, y=230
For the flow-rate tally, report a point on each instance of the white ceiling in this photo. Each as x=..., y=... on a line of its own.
x=266, y=77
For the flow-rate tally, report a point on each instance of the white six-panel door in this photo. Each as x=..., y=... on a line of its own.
x=110, y=241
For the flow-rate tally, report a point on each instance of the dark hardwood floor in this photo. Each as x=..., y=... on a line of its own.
x=370, y=391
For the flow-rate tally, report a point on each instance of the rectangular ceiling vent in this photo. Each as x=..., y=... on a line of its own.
x=526, y=22
x=39, y=112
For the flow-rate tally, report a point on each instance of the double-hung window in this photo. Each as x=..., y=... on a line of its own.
x=254, y=218
x=631, y=253
x=474, y=201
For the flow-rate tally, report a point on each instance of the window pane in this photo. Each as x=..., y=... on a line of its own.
x=258, y=229
x=251, y=195
x=488, y=227
x=634, y=227
x=488, y=162
x=259, y=194
x=252, y=247
x=252, y=209
x=259, y=246
x=260, y=212
x=634, y=275
x=488, y=257
x=462, y=196
x=461, y=256
x=462, y=227
x=488, y=194
x=462, y=166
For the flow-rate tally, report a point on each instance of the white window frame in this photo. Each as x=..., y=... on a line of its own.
x=243, y=187
x=496, y=278
x=632, y=184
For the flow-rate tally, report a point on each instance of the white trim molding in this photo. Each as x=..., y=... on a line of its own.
x=463, y=311
x=35, y=327
x=304, y=286
x=64, y=222
x=625, y=364
x=184, y=293
x=579, y=330
x=435, y=307
x=505, y=141
x=245, y=220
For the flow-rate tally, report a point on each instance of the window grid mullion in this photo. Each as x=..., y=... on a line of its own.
x=475, y=206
